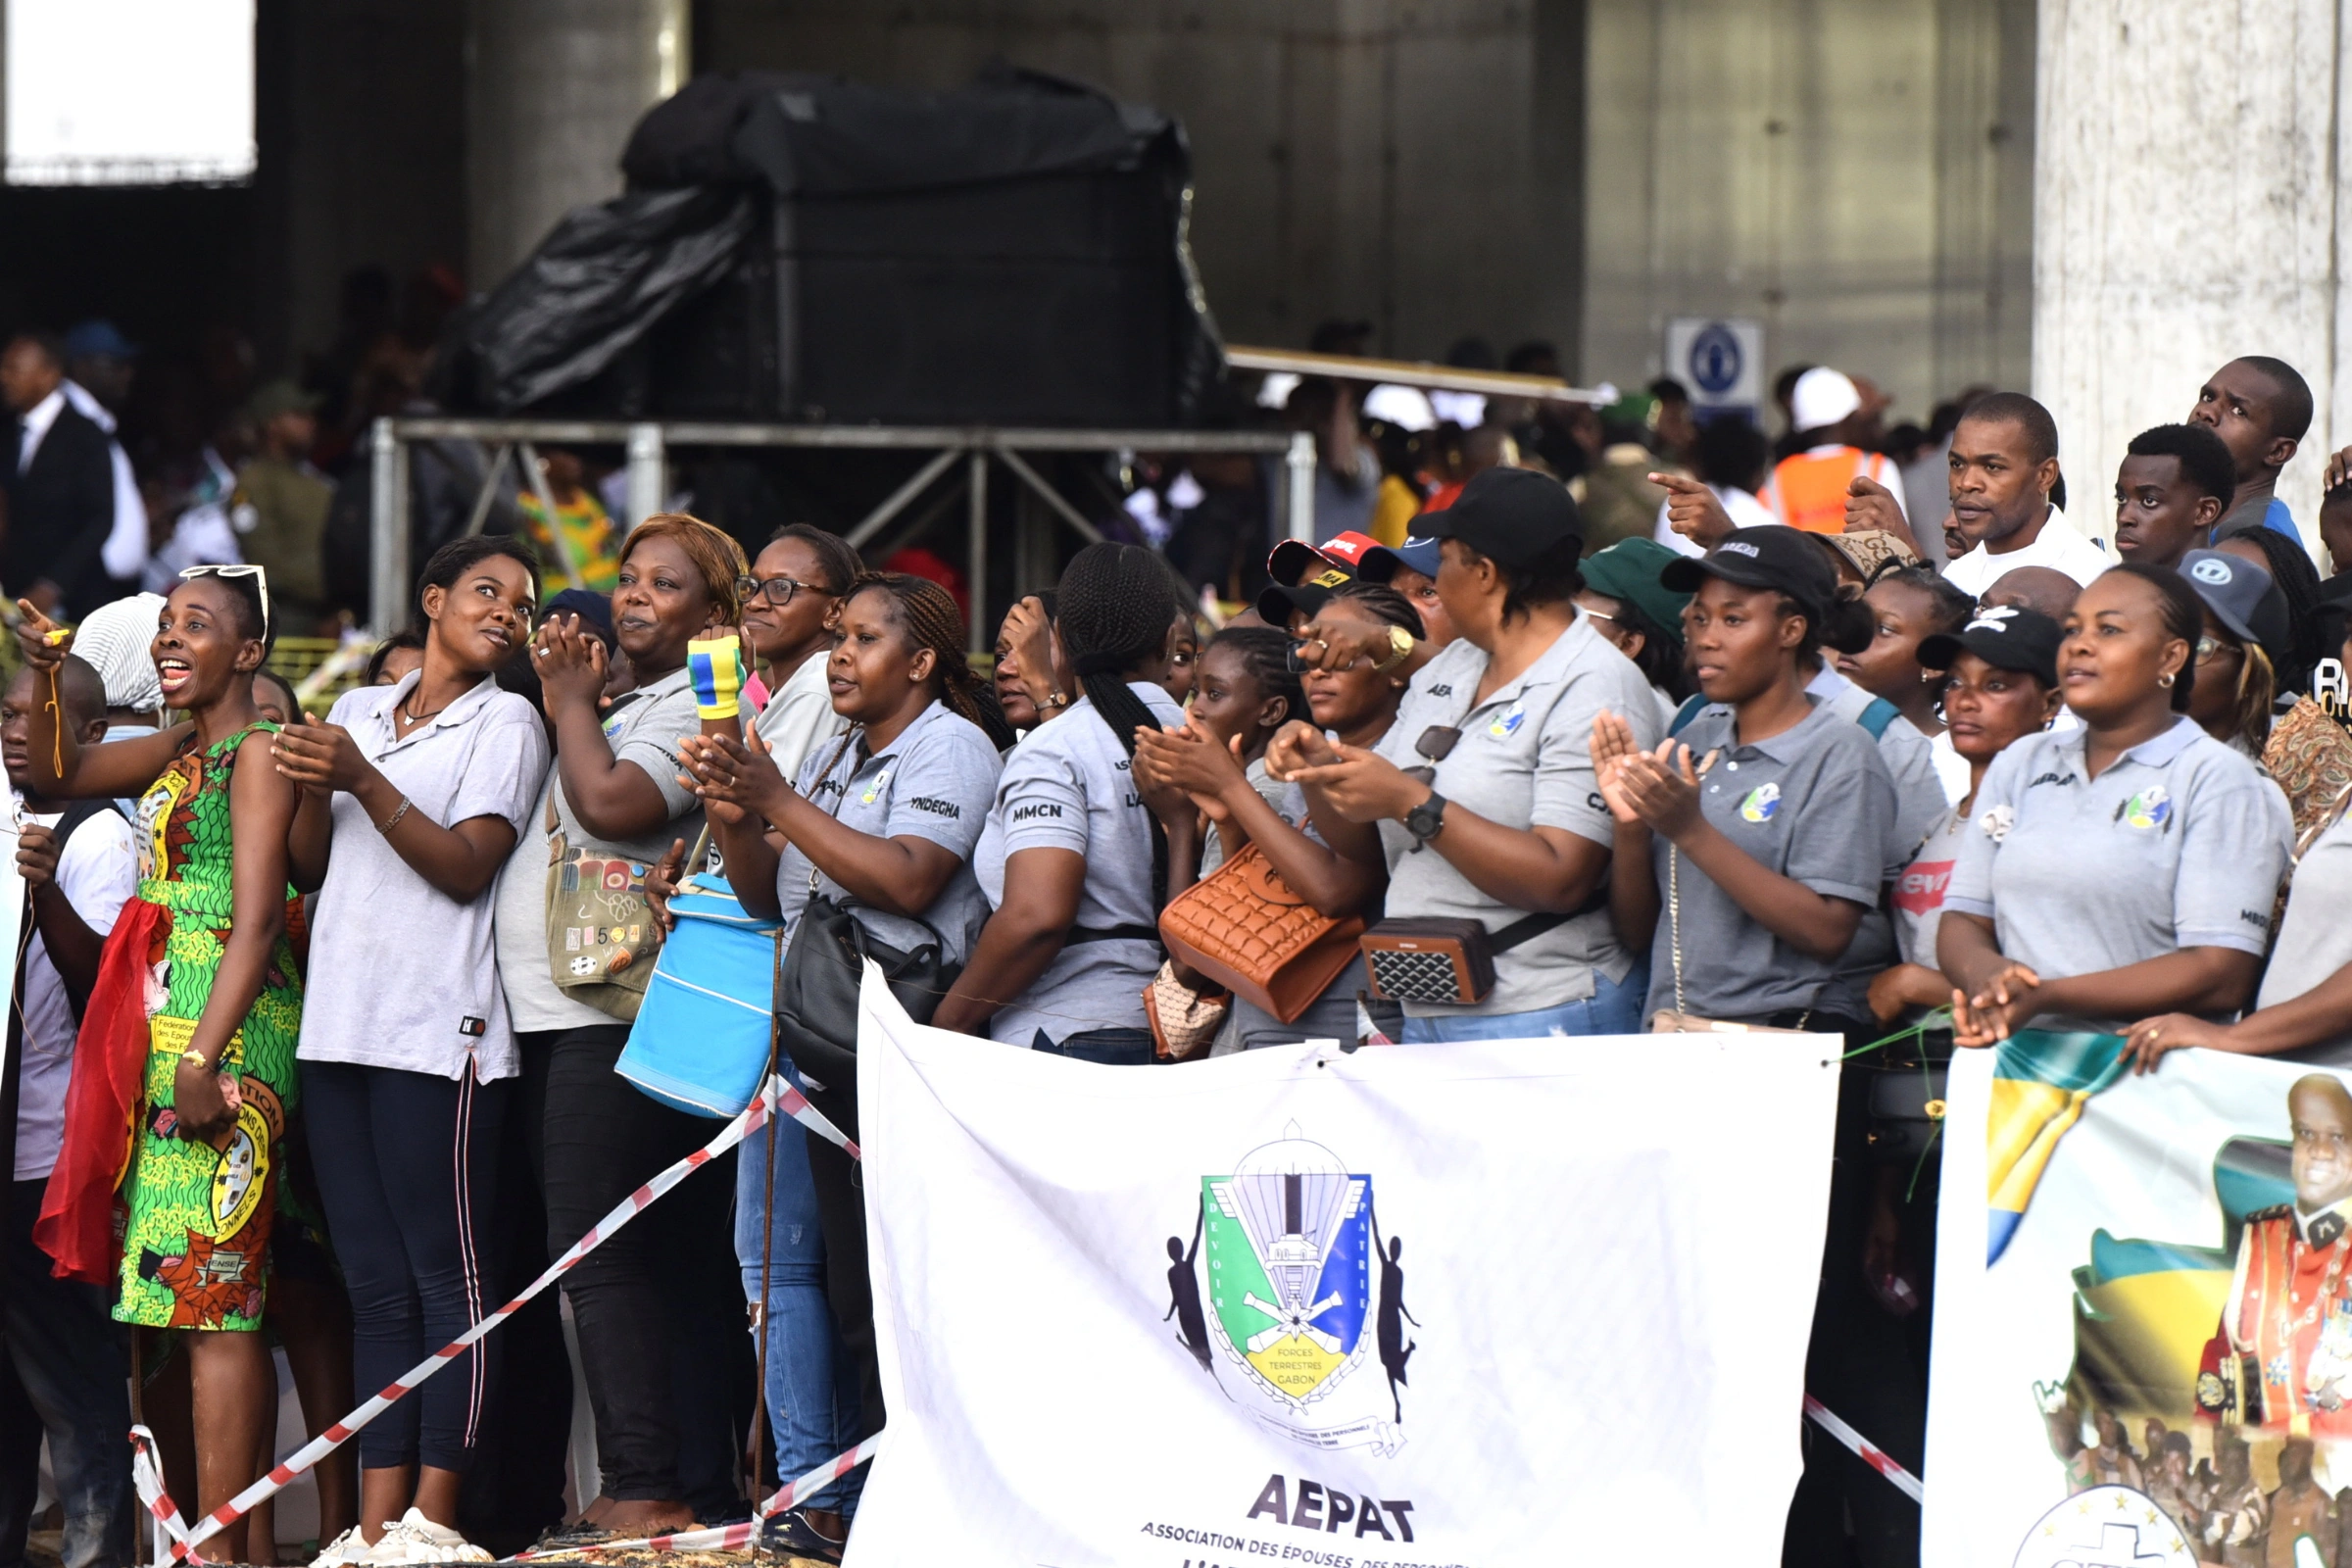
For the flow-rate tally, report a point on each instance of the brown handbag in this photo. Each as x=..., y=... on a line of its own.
x=1244, y=927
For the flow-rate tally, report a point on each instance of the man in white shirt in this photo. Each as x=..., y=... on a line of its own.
x=69, y=1375
x=2004, y=462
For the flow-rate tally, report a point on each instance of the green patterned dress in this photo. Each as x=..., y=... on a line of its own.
x=196, y=1236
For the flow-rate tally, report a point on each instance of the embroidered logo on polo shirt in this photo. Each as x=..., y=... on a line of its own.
x=1997, y=822
x=1508, y=723
x=937, y=806
x=2151, y=809
x=874, y=790
x=1761, y=803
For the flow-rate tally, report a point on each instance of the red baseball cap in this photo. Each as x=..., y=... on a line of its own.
x=1294, y=560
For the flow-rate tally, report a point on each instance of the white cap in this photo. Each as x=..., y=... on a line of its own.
x=115, y=640
x=1822, y=398
x=1404, y=407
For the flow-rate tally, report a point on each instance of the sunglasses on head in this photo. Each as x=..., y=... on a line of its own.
x=261, y=581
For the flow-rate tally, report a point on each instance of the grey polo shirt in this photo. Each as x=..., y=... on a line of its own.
x=643, y=728
x=1068, y=787
x=2315, y=940
x=1919, y=803
x=1525, y=761
x=401, y=974
x=2179, y=844
x=1814, y=804
x=934, y=781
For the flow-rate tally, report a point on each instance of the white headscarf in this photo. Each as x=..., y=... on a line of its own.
x=115, y=640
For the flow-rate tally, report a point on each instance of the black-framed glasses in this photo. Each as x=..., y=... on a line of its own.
x=778, y=591
x=1437, y=744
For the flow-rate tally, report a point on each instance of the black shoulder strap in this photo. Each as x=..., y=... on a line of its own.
x=78, y=812
x=1691, y=709
x=1529, y=927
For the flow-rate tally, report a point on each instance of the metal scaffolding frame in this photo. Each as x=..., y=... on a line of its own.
x=649, y=443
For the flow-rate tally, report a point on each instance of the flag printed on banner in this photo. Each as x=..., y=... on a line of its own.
x=1415, y=1308
x=2041, y=1083
x=2152, y=1362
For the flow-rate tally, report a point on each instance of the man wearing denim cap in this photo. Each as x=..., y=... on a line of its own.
x=2242, y=597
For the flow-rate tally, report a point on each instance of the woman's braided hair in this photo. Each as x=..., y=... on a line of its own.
x=931, y=621
x=1264, y=653
x=1118, y=604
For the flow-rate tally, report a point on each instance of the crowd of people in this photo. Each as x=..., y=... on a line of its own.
x=318, y=1050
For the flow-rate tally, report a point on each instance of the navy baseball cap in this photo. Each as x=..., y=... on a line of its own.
x=1416, y=553
x=2242, y=597
x=2004, y=636
x=1510, y=516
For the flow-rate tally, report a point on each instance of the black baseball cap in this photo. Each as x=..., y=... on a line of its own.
x=1509, y=515
x=2004, y=636
x=1770, y=556
x=1276, y=602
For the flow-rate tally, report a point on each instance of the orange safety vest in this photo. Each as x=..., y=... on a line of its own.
x=1808, y=490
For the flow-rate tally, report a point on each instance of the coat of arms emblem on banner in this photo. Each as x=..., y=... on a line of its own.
x=1287, y=1288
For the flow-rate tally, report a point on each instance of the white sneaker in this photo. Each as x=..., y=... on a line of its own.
x=415, y=1539
x=346, y=1551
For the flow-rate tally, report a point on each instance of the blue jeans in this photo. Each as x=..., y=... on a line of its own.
x=62, y=1369
x=801, y=1407
x=1112, y=1048
x=1613, y=1008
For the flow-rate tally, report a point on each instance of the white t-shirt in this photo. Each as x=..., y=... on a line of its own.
x=401, y=975
x=97, y=870
x=2058, y=546
x=799, y=715
x=1743, y=508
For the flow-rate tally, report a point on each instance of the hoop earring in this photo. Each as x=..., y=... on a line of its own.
x=2165, y=681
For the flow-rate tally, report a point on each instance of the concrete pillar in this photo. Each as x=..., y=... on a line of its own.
x=2185, y=213
x=553, y=89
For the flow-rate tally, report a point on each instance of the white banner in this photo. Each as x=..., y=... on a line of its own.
x=2143, y=1314
x=1465, y=1305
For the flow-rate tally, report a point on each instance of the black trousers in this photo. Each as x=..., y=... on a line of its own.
x=849, y=1280
x=657, y=1308
x=1859, y=1363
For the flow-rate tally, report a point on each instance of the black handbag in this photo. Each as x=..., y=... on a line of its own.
x=1906, y=1102
x=818, y=981
x=816, y=994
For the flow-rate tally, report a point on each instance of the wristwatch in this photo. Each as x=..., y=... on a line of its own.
x=1424, y=820
x=1401, y=649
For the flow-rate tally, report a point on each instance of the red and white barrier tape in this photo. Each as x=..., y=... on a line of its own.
x=1868, y=1452
x=147, y=1477
x=779, y=1095
x=727, y=1537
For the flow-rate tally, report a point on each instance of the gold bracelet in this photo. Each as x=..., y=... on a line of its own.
x=389, y=823
x=196, y=1056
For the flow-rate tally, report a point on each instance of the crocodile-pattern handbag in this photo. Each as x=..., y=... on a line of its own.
x=1246, y=928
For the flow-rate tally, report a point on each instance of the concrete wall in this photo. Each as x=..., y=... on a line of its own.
x=1855, y=173
x=1410, y=162
x=553, y=88
x=2188, y=210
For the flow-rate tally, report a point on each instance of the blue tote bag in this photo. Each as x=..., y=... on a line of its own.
x=704, y=1035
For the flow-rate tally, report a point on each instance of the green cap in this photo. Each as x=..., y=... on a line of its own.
x=282, y=396
x=1627, y=570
